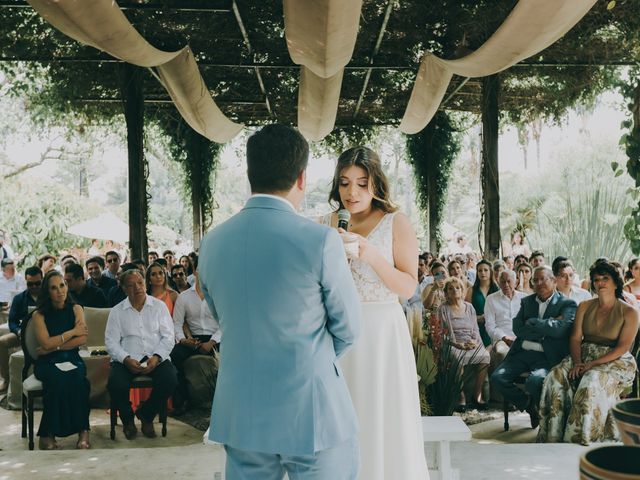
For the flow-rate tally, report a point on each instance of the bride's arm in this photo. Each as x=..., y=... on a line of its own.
x=403, y=277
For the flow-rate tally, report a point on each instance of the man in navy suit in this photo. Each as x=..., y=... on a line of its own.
x=542, y=327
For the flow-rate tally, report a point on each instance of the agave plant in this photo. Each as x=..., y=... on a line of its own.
x=585, y=224
x=444, y=392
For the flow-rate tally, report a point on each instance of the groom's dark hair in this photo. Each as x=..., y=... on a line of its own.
x=276, y=155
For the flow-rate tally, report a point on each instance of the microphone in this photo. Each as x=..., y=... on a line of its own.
x=343, y=219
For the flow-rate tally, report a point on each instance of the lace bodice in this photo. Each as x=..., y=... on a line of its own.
x=370, y=287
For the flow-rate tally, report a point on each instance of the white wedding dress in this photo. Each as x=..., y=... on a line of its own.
x=380, y=371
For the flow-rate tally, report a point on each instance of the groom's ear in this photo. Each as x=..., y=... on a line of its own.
x=301, y=181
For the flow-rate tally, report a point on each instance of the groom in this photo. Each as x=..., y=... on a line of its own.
x=282, y=290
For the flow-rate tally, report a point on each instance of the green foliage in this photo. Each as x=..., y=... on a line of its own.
x=198, y=157
x=39, y=218
x=585, y=224
x=631, y=143
x=431, y=153
x=443, y=394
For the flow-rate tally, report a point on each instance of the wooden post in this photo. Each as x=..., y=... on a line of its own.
x=198, y=152
x=133, y=100
x=490, y=183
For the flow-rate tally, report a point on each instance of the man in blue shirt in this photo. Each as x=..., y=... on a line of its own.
x=18, y=312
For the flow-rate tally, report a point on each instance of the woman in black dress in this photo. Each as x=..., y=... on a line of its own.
x=60, y=329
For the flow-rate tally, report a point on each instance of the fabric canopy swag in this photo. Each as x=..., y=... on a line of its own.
x=321, y=36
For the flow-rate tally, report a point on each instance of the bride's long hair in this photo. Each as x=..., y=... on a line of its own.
x=369, y=161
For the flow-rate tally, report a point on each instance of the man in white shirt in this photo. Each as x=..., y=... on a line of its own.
x=139, y=337
x=499, y=310
x=10, y=281
x=565, y=273
x=197, y=333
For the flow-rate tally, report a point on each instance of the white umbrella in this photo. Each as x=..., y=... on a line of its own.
x=105, y=226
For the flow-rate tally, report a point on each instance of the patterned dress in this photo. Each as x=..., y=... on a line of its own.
x=578, y=411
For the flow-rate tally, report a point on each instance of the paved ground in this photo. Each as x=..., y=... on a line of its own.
x=492, y=455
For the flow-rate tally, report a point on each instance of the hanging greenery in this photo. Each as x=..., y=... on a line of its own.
x=631, y=143
x=199, y=158
x=431, y=152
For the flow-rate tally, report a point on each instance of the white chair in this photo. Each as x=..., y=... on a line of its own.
x=31, y=386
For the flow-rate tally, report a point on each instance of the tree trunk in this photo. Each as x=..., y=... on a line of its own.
x=133, y=100
x=490, y=180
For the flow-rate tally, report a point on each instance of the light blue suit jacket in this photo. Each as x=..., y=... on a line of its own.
x=281, y=288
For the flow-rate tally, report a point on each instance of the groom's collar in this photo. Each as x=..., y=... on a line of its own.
x=264, y=200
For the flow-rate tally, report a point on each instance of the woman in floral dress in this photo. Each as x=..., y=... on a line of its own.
x=579, y=392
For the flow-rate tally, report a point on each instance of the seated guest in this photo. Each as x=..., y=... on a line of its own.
x=152, y=256
x=65, y=260
x=579, y=392
x=11, y=282
x=116, y=293
x=458, y=318
x=140, y=264
x=433, y=295
x=113, y=264
x=537, y=259
x=499, y=310
x=477, y=295
x=179, y=276
x=565, y=273
x=46, y=262
x=139, y=337
x=542, y=328
x=170, y=258
x=187, y=263
x=633, y=285
x=470, y=266
x=197, y=332
x=414, y=304
x=456, y=268
x=17, y=314
x=60, y=329
x=498, y=267
x=95, y=266
x=158, y=286
x=426, y=278
x=509, y=262
x=81, y=292
x=519, y=260
x=524, y=274
x=189, y=267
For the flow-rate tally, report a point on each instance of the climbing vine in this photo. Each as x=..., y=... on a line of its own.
x=432, y=152
x=631, y=143
x=199, y=158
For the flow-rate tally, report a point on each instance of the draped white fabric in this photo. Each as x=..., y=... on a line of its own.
x=318, y=103
x=531, y=27
x=101, y=24
x=321, y=36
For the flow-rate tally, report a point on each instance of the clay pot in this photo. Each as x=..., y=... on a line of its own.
x=612, y=462
x=627, y=416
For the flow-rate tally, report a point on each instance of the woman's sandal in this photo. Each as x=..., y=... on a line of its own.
x=83, y=441
x=47, y=443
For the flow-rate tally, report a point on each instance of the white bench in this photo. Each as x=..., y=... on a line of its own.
x=443, y=431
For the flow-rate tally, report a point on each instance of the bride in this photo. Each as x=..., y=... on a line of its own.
x=380, y=369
